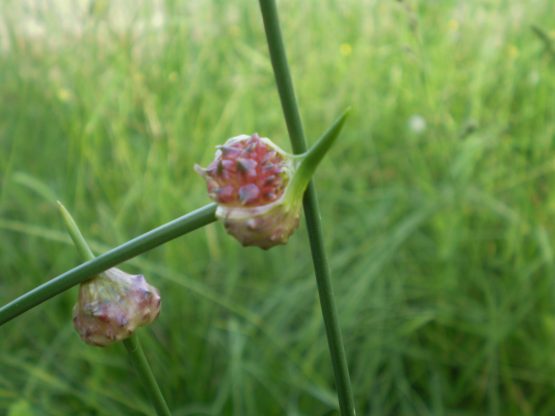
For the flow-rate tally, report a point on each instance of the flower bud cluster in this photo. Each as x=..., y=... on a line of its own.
x=248, y=179
x=112, y=305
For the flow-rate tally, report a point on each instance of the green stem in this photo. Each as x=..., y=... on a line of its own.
x=141, y=244
x=142, y=366
x=314, y=226
x=132, y=343
x=75, y=234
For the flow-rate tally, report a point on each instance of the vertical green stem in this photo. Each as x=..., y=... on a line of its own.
x=132, y=343
x=312, y=211
x=142, y=366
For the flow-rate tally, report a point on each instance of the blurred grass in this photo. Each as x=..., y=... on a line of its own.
x=440, y=231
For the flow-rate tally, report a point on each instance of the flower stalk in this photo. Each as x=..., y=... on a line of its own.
x=132, y=343
x=310, y=203
x=141, y=244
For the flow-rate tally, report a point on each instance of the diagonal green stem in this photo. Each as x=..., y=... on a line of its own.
x=141, y=244
x=314, y=226
x=75, y=233
x=140, y=362
x=132, y=343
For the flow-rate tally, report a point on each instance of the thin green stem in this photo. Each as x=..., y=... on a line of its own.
x=132, y=344
x=141, y=244
x=75, y=234
x=312, y=212
x=142, y=366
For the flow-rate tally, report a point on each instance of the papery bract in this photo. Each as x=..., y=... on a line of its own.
x=112, y=305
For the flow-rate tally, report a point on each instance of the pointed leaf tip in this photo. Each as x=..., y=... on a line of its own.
x=312, y=158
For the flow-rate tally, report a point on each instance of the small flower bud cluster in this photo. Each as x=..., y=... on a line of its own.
x=248, y=171
x=259, y=188
x=112, y=305
x=248, y=179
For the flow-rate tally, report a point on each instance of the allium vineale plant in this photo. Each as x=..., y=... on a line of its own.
x=258, y=190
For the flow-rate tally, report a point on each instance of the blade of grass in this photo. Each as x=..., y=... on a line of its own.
x=143, y=243
x=132, y=344
x=312, y=211
x=545, y=38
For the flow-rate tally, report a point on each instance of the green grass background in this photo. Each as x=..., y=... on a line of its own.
x=440, y=241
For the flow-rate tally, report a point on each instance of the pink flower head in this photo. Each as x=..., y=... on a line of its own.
x=248, y=171
x=259, y=188
x=248, y=179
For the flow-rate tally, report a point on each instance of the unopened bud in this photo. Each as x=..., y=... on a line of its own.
x=112, y=305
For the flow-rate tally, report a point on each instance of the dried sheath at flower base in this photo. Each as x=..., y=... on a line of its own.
x=112, y=305
x=259, y=187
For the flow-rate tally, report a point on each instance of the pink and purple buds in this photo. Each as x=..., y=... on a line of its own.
x=259, y=188
x=248, y=179
x=112, y=305
x=248, y=171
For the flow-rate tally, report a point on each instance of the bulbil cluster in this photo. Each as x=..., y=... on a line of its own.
x=112, y=305
x=247, y=171
x=249, y=178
